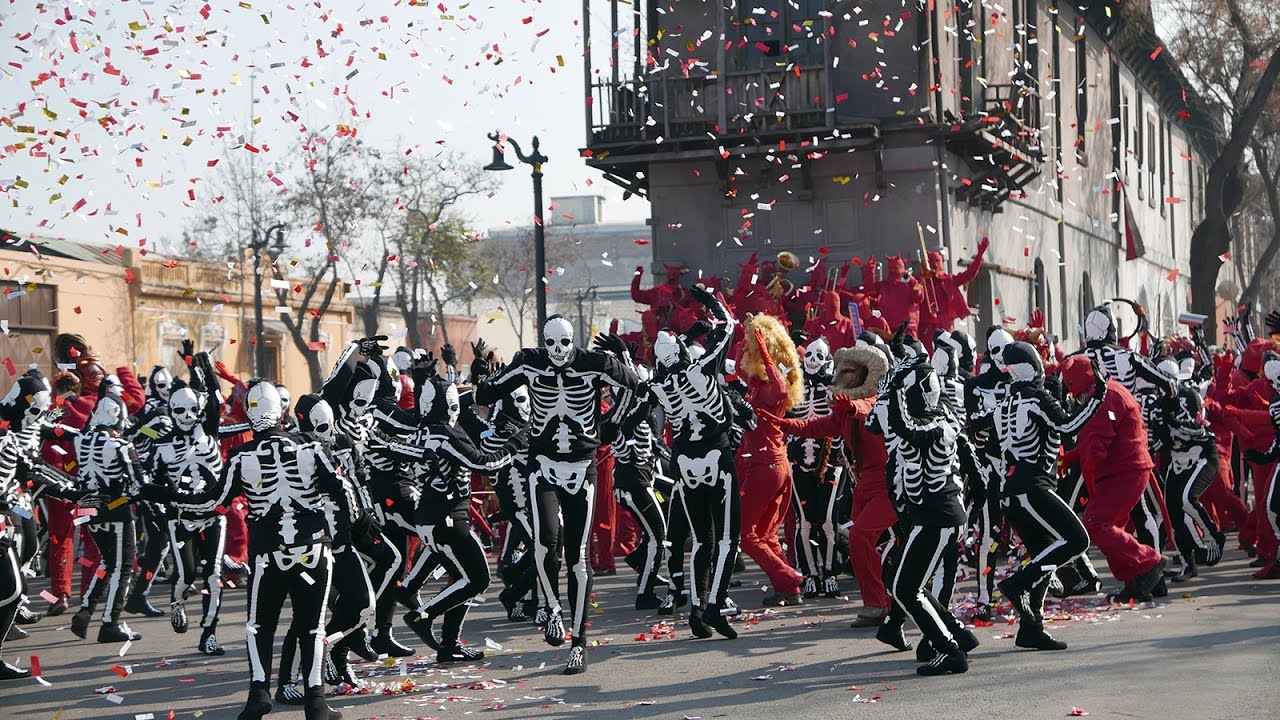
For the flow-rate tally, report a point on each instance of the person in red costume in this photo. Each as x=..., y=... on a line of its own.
x=1112, y=453
x=771, y=368
x=664, y=299
x=605, y=520
x=858, y=372
x=897, y=296
x=944, y=301
x=236, y=552
x=1228, y=510
x=1249, y=402
x=829, y=323
x=752, y=295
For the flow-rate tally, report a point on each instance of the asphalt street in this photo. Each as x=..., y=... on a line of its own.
x=1210, y=650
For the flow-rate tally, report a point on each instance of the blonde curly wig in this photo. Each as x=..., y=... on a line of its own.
x=781, y=349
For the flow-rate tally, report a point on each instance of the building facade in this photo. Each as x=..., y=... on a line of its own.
x=848, y=129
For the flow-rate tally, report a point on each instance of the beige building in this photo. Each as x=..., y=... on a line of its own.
x=136, y=310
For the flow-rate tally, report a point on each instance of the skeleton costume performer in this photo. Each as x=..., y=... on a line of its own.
x=982, y=392
x=927, y=451
x=187, y=459
x=443, y=458
x=1029, y=424
x=818, y=477
x=23, y=411
x=635, y=459
x=1192, y=466
x=352, y=391
x=564, y=390
x=143, y=429
x=111, y=473
x=697, y=407
x=285, y=480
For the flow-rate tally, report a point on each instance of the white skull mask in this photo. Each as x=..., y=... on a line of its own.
x=40, y=402
x=320, y=419
x=558, y=337
x=161, y=383
x=817, y=358
x=109, y=412
x=1100, y=325
x=520, y=400
x=454, y=404
x=284, y=398
x=997, y=341
x=669, y=349
x=1271, y=370
x=264, y=406
x=362, y=396
x=185, y=407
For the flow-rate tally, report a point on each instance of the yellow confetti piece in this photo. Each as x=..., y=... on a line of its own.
x=117, y=503
x=560, y=60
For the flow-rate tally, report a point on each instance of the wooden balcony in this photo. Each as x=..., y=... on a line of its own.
x=1001, y=147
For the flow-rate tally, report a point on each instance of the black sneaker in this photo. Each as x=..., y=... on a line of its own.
x=699, y=628
x=26, y=617
x=342, y=668
x=577, y=663
x=116, y=632
x=384, y=643
x=289, y=695
x=966, y=639
x=10, y=672
x=1161, y=589
x=140, y=605
x=924, y=651
x=257, y=706
x=57, y=608
x=554, y=632
x=668, y=605
x=316, y=708
x=421, y=625
x=358, y=643
x=209, y=644
x=1035, y=638
x=1147, y=581
x=1186, y=573
x=16, y=633
x=458, y=653
x=713, y=619
x=984, y=613
x=809, y=588
x=945, y=664
x=80, y=623
x=831, y=587
x=890, y=633
x=648, y=601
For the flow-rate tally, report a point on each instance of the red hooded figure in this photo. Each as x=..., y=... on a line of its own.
x=829, y=323
x=664, y=299
x=897, y=296
x=944, y=301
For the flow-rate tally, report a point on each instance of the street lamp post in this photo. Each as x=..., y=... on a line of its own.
x=258, y=244
x=536, y=160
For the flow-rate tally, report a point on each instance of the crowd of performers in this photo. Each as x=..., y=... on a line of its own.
x=820, y=445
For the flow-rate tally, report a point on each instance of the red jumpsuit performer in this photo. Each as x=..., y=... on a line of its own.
x=858, y=372
x=1249, y=401
x=664, y=299
x=237, y=547
x=1112, y=452
x=762, y=462
x=897, y=296
x=944, y=302
x=605, y=520
x=1220, y=497
x=829, y=323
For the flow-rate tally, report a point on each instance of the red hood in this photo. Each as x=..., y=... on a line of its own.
x=829, y=307
x=1077, y=374
x=895, y=268
x=1251, y=361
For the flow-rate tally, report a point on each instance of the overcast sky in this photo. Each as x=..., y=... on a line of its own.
x=165, y=91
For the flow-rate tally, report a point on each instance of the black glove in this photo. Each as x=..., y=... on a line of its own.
x=610, y=343
x=424, y=365
x=449, y=355
x=188, y=351
x=1254, y=456
x=702, y=294
x=372, y=347
x=479, y=369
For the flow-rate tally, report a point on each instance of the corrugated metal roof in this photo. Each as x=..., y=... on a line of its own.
x=57, y=247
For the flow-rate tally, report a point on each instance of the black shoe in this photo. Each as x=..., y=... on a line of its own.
x=1186, y=573
x=1147, y=581
x=57, y=608
x=778, y=599
x=1161, y=589
x=26, y=617
x=384, y=643
x=117, y=632
x=604, y=572
x=984, y=613
x=290, y=695
x=458, y=653
x=9, y=672
x=209, y=644
x=809, y=588
x=890, y=633
x=1034, y=637
x=342, y=668
x=258, y=704
x=648, y=601
x=358, y=643
x=944, y=664
x=699, y=628
x=554, y=632
x=830, y=587
x=577, y=663
x=713, y=619
x=315, y=708
x=421, y=625
x=1126, y=596
x=16, y=633
x=80, y=623
x=924, y=651
x=966, y=639
x=513, y=605
x=140, y=605
x=1258, y=561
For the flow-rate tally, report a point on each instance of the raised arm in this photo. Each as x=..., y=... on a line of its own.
x=721, y=336
x=1058, y=419
x=967, y=275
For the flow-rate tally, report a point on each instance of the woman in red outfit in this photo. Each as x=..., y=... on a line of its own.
x=858, y=373
x=771, y=367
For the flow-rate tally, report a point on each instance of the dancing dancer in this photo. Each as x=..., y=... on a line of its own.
x=1029, y=425
x=1111, y=450
x=635, y=459
x=818, y=477
x=111, y=472
x=443, y=459
x=352, y=390
x=564, y=386
x=286, y=481
x=186, y=460
x=928, y=455
x=697, y=407
x=1192, y=466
